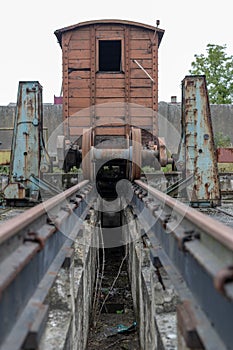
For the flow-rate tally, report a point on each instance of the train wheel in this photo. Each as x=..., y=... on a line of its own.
x=137, y=155
x=87, y=165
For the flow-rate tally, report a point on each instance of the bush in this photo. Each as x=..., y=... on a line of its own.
x=221, y=140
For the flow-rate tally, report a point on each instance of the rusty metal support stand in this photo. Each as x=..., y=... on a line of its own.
x=197, y=153
x=27, y=156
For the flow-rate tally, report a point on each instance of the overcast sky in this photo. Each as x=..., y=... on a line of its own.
x=29, y=48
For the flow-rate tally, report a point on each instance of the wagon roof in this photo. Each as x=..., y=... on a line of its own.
x=59, y=32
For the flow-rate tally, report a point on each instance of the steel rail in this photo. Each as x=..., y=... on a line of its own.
x=33, y=247
x=29, y=216
x=214, y=228
x=224, y=212
x=200, y=249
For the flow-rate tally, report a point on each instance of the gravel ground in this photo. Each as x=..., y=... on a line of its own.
x=224, y=213
x=9, y=213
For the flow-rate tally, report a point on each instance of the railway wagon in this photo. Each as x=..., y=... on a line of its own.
x=107, y=65
x=110, y=88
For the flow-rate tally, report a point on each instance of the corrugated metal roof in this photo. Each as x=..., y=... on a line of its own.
x=59, y=32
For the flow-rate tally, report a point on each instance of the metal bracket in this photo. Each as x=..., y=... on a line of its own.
x=69, y=258
x=188, y=235
x=223, y=276
x=33, y=237
x=36, y=329
x=187, y=323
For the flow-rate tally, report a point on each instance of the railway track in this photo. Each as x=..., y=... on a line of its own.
x=9, y=213
x=200, y=249
x=195, y=250
x=33, y=247
x=223, y=214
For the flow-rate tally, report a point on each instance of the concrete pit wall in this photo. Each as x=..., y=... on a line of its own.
x=70, y=298
x=155, y=308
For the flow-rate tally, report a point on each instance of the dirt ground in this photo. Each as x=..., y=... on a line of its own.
x=115, y=327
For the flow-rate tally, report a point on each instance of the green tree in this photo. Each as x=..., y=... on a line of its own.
x=221, y=140
x=218, y=69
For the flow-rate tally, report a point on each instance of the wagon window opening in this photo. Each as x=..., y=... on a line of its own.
x=110, y=55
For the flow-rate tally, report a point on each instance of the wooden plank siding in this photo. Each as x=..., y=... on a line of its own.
x=91, y=97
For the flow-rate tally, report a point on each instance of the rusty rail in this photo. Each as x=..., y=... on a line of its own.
x=33, y=247
x=199, y=252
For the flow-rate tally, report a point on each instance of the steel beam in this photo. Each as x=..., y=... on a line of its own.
x=33, y=247
x=201, y=249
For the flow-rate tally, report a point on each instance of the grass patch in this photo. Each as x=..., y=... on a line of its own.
x=4, y=169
